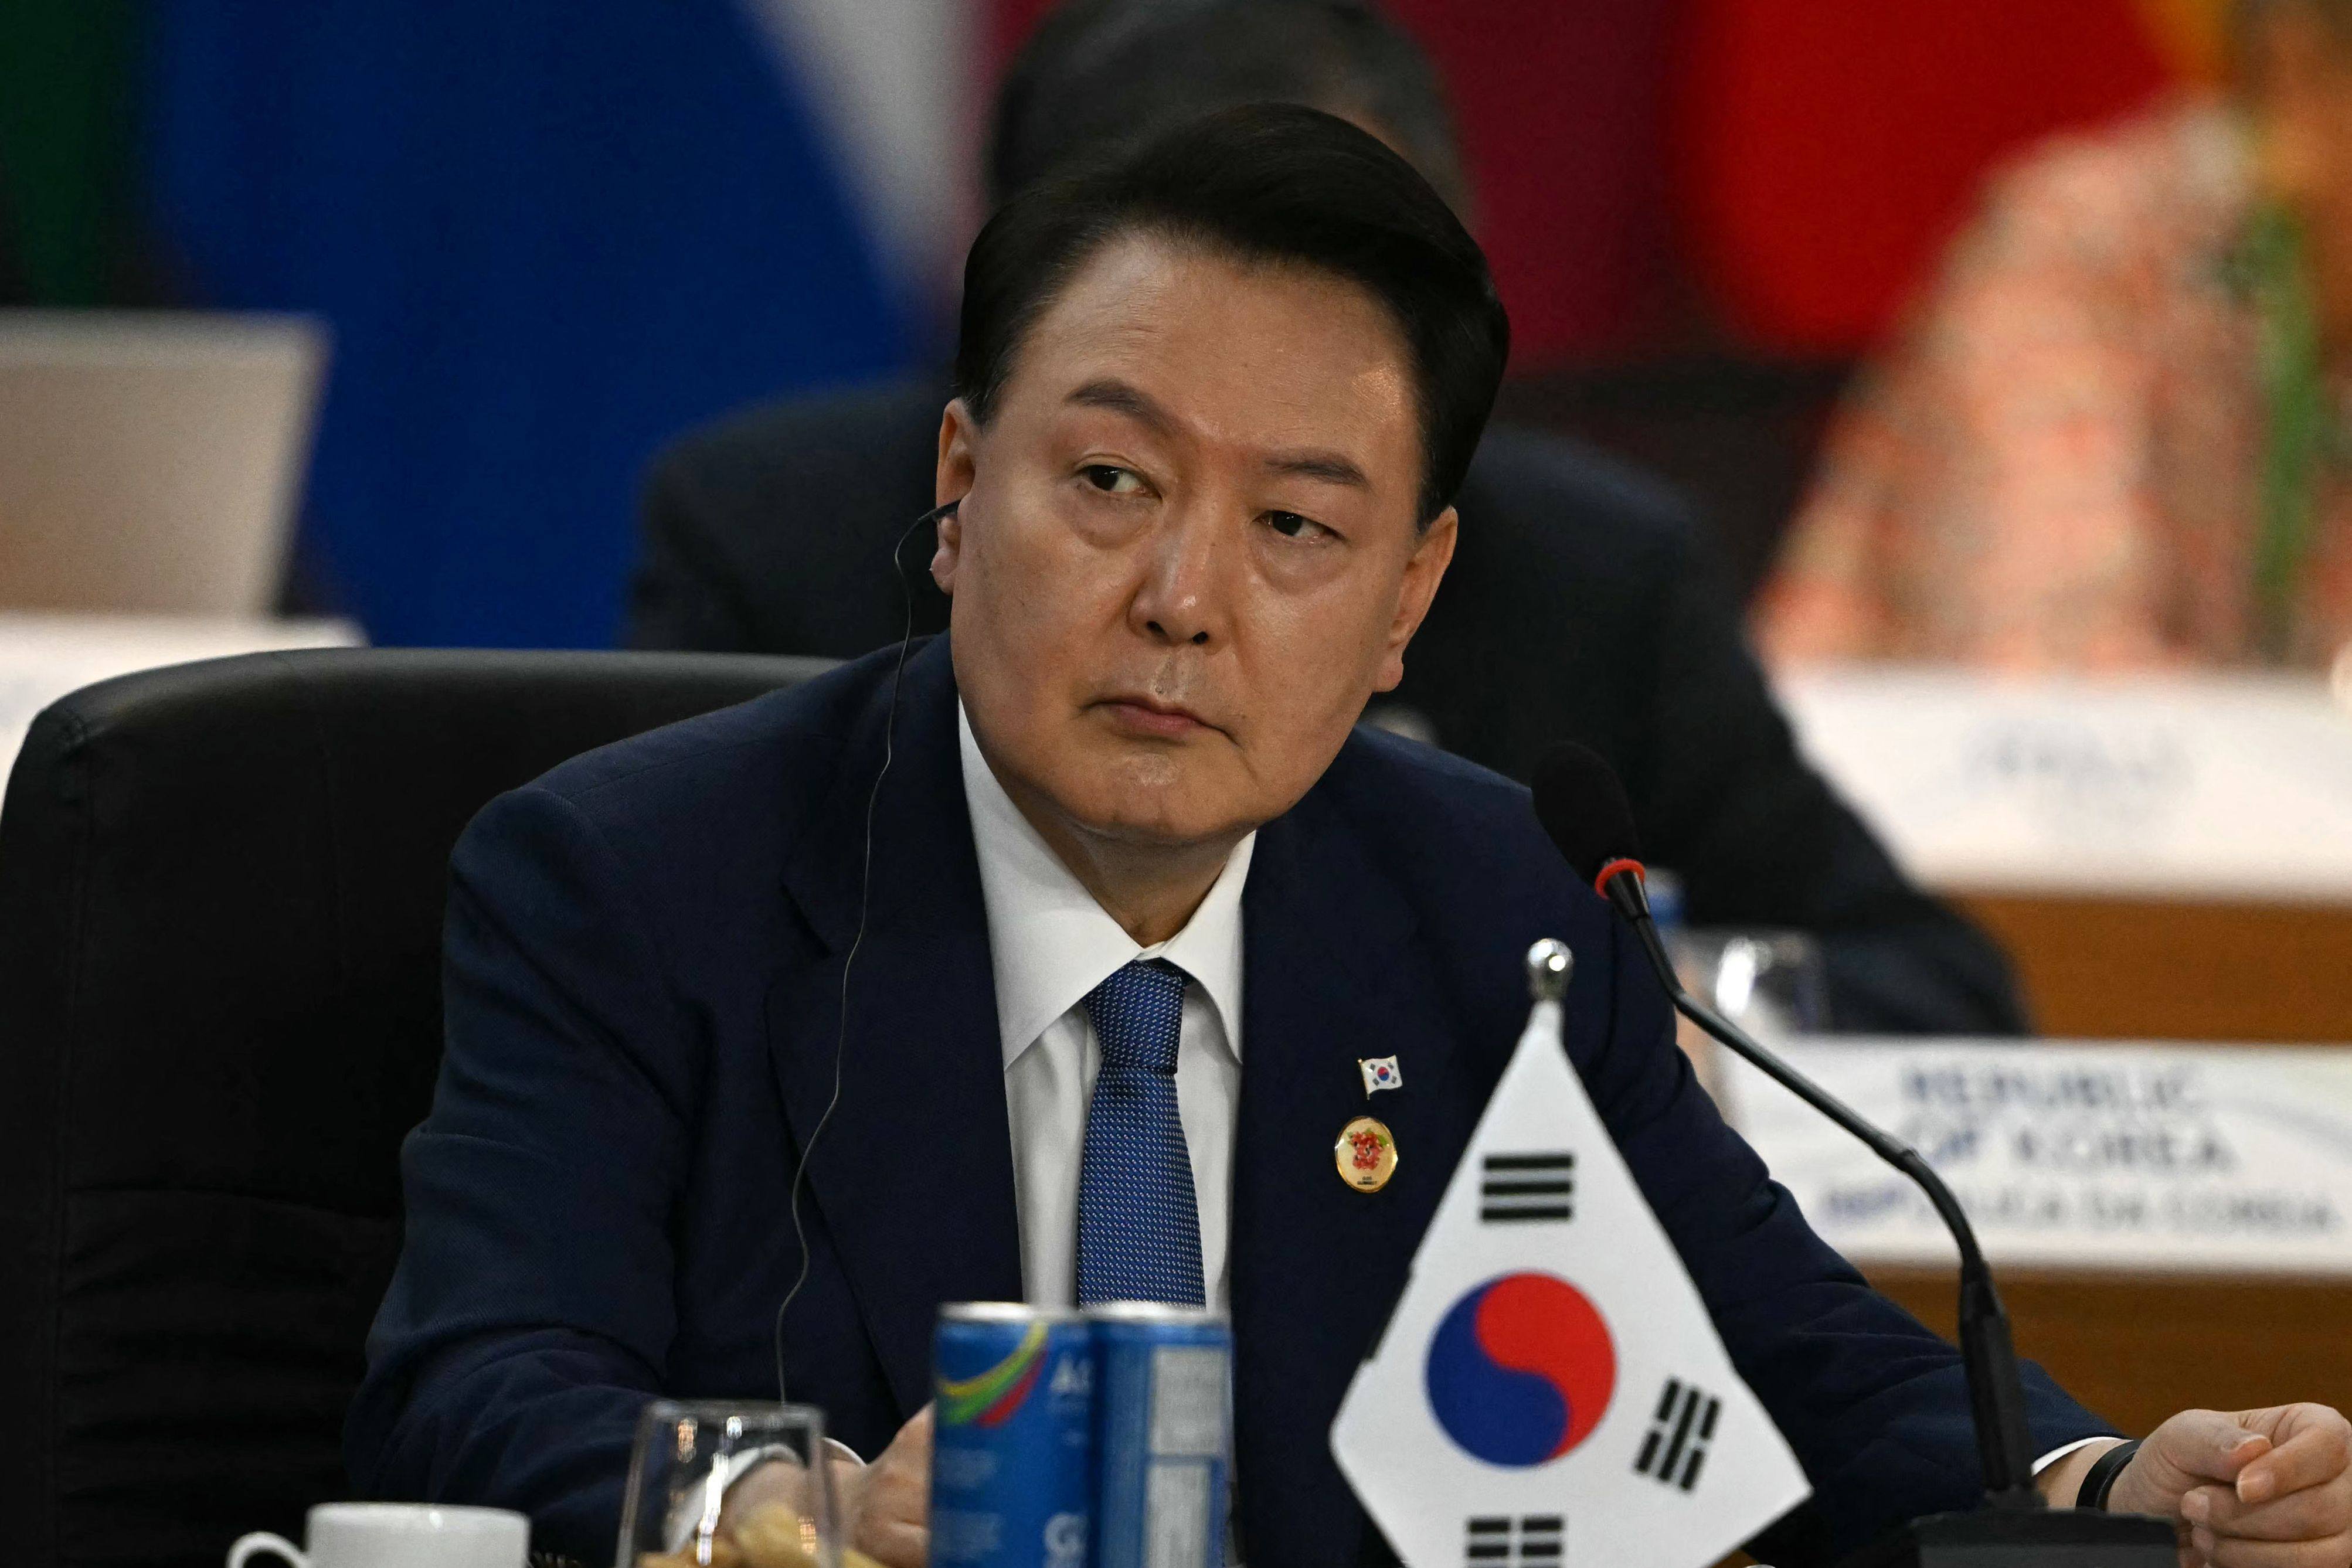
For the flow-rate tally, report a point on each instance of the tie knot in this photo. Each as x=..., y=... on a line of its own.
x=1139, y=1016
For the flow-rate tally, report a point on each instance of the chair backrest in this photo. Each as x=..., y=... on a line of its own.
x=220, y=909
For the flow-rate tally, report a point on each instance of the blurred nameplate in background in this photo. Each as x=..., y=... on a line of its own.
x=43, y=657
x=2171, y=1225
x=2165, y=857
x=2232, y=787
x=152, y=461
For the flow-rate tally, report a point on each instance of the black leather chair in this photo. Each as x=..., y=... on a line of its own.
x=220, y=907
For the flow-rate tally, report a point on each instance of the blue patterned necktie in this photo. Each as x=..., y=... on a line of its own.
x=1139, y=1225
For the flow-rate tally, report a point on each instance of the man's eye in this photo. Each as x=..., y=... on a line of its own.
x=1291, y=525
x=1110, y=478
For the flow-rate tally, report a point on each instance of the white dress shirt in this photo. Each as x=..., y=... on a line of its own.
x=1051, y=944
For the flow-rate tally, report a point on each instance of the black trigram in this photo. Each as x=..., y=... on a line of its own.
x=1532, y=1541
x=1527, y=1186
x=1679, y=1433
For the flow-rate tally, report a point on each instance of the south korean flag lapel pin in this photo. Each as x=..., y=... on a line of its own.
x=1380, y=1072
x=1549, y=1390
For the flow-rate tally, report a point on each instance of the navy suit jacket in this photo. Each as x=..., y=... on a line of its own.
x=644, y=967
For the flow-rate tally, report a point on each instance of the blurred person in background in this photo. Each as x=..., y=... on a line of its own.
x=1580, y=605
x=2118, y=433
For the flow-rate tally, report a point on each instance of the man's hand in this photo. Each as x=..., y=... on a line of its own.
x=764, y=1522
x=886, y=1506
x=2256, y=1488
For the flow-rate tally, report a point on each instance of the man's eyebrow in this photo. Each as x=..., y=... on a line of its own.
x=1121, y=397
x=1118, y=397
x=1329, y=466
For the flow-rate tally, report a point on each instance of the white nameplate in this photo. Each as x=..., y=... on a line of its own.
x=2210, y=786
x=2233, y=1159
x=43, y=657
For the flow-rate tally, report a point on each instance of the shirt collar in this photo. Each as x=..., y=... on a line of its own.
x=1051, y=943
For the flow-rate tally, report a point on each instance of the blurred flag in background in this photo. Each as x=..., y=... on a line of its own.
x=1828, y=148
x=548, y=234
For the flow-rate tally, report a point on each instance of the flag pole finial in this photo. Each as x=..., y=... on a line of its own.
x=1550, y=964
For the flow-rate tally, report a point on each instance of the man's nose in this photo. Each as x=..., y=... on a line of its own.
x=1182, y=598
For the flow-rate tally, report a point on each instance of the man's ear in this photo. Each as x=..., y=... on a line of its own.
x=1423, y=570
x=952, y=481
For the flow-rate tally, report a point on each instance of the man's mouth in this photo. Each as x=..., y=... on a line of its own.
x=1142, y=713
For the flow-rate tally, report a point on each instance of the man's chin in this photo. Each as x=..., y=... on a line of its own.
x=1158, y=807
x=1160, y=829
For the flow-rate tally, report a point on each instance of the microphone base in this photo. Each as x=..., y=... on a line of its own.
x=2040, y=1538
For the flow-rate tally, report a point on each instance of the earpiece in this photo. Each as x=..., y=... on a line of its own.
x=865, y=896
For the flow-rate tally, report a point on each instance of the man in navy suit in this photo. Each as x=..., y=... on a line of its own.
x=1068, y=935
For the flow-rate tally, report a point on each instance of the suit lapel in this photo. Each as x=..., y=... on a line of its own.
x=1318, y=1266
x=913, y=1177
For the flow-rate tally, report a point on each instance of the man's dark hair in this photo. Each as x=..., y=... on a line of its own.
x=1272, y=183
x=1100, y=74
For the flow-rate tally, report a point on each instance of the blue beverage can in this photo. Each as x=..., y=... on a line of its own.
x=1012, y=1440
x=1163, y=1399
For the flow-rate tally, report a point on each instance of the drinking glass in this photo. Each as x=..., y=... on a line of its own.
x=1773, y=984
x=723, y=1484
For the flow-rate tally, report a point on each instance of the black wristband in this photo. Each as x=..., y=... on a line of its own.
x=2100, y=1478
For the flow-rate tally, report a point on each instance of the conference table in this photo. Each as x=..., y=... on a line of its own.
x=2165, y=859
x=2153, y=968
x=2137, y=1346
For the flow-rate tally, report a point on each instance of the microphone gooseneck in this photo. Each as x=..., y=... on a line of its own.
x=1583, y=810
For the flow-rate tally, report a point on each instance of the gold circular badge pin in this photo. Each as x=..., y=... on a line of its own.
x=1366, y=1154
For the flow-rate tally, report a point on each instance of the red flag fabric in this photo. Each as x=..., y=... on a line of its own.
x=1803, y=159
x=1829, y=147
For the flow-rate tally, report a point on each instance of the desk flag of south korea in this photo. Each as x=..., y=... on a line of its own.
x=1550, y=1393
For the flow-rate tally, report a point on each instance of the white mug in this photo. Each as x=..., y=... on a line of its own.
x=398, y=1535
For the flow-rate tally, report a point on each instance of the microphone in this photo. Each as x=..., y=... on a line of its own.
x=1583, y=810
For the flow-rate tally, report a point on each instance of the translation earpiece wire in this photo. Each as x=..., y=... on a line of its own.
x=865, y=895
